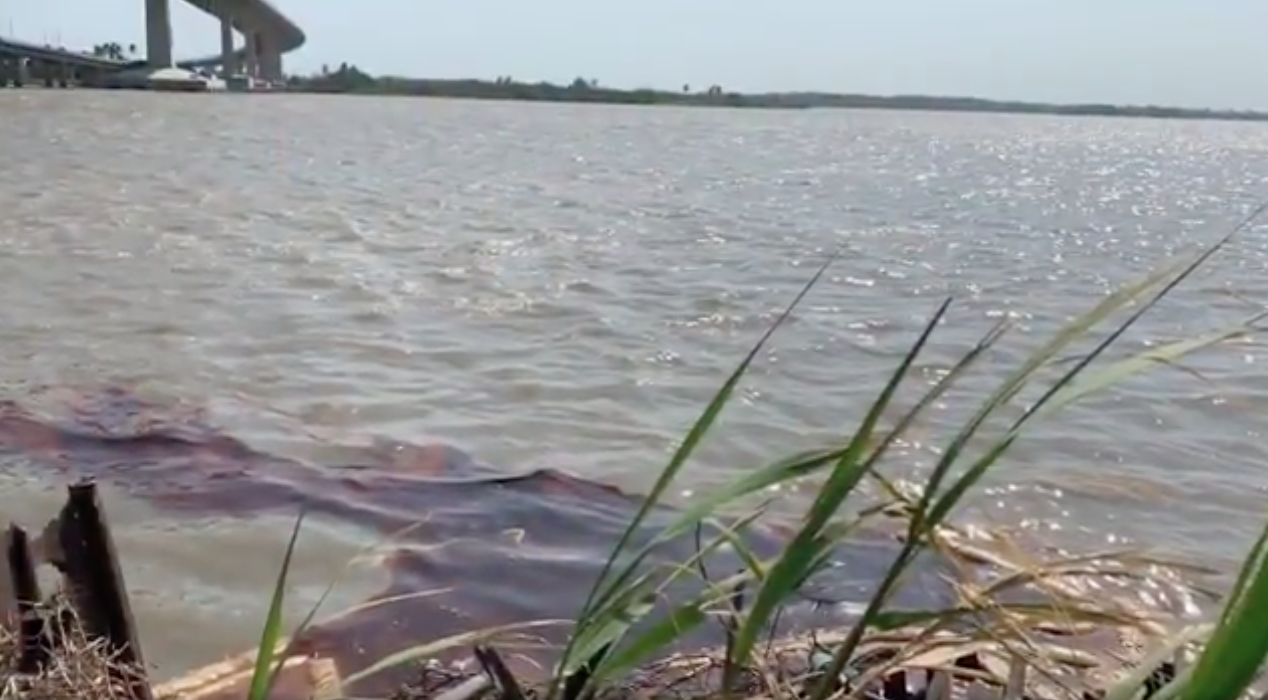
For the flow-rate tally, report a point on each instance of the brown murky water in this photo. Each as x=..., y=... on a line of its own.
x=560, y=287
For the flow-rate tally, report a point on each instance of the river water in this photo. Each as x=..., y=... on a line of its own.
x=564, y=286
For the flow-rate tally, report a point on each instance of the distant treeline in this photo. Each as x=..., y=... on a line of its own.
x=349, y=79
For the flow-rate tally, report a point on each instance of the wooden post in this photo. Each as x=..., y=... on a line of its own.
x=96, y=583
x=894, y=687
x=32, y=644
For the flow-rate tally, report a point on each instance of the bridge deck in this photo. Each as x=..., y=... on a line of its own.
x=259, y=15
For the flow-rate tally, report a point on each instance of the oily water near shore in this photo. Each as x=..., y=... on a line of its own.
x=508, y=287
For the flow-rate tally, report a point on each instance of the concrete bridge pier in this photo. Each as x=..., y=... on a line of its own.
x=269, y=59
x=44, y=72
x=271, y=66
x=229, y=61
x=38, y=71
x=252, y=67
x=13, y=72
x=158, y=34
x=52, y=74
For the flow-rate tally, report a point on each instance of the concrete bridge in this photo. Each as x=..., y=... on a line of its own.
x=268, y=34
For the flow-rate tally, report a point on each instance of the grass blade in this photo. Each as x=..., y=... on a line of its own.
x=265, y=672
x=1129, y=686
x=1092, y=380
x=681, y=620
x=939, y=510
x=334, y=582
x=604, y=588
x=934, y=507
x=808, y=545
x=431, y=649
x=1238, y=646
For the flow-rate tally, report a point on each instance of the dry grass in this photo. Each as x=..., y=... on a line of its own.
x=80, y=669
x=1075, y=623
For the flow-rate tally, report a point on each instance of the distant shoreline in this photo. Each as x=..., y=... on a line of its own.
x=349, y=80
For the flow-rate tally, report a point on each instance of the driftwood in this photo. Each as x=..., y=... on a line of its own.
x=78, y=543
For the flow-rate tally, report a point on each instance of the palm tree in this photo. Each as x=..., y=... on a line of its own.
x=111, y=50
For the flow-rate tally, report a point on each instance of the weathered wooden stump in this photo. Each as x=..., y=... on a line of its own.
x=94, y=580
x=78, y=543
x=33, y=643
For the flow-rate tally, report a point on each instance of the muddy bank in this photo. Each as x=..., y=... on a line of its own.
x=516, y=547
x=1074, y=639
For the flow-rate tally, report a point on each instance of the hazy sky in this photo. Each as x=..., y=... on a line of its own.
x=1180, y=52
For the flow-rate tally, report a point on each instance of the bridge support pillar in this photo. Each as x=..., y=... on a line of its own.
x=22, y=75
x=252, y=68
x=268, y=59
x=46, y=74
x=228, y=62
x=270, y=64
x=12, y=72
x=158, y=34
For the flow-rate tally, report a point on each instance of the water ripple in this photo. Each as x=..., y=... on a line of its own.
x=567, y=285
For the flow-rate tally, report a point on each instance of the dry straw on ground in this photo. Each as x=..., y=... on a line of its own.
x=80, y=669
x=1054, y=626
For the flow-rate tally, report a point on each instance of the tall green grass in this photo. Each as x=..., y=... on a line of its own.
x=615, y=632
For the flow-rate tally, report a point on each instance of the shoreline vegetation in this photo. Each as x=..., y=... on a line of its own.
x=347, y=79
x=1024, y=624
